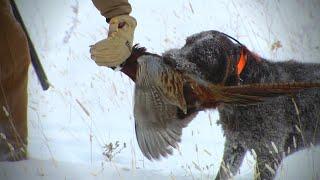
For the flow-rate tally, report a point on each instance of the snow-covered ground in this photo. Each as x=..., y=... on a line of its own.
x=90, y=106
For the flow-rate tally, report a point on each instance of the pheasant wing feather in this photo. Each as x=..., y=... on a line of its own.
x=157, y=125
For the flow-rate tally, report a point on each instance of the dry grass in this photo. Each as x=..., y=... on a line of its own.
x=299, y=126
x=75, y=22
x=18, y=139
x=112, y=149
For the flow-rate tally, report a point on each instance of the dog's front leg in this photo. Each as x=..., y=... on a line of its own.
x=267, y=164
x=232, y=159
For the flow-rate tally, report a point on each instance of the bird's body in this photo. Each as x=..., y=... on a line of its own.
x=158, y=99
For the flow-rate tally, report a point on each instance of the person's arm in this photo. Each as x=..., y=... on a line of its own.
x=112, y=8
x=114, y=50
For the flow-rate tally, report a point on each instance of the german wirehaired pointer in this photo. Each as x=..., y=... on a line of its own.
x=212, y=71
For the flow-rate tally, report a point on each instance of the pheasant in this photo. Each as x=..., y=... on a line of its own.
x=171, y=89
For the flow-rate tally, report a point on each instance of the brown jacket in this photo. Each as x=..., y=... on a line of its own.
x=112, y=8
x=14, y=61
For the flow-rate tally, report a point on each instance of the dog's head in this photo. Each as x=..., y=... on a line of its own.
x=211, y=54
x=214, y=54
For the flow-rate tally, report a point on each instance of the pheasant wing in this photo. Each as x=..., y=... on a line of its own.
x=158, y=97
x=158, y=128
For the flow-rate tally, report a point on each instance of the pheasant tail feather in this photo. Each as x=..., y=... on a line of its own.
x=256, y=93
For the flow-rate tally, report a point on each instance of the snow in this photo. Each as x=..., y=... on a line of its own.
x=302, y=165
x=90, y=106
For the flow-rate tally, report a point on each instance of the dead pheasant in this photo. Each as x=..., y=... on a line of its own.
x=171, y=89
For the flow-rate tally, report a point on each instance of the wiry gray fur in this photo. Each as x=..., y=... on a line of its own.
x=254, y=127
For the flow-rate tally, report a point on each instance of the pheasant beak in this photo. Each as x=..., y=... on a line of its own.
x=118, y=67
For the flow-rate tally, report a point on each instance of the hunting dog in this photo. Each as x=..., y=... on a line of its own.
x=270, y=130
x=170, y=89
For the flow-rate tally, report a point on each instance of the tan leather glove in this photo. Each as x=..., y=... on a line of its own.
x=114, y=50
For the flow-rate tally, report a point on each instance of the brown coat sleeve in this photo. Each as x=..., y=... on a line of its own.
x=112, y=8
